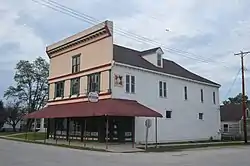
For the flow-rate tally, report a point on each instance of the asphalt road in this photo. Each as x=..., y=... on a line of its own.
x=23, y=154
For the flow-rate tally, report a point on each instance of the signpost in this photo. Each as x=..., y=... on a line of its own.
x=148, y=124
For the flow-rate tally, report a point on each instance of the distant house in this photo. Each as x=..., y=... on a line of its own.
x=231, y=121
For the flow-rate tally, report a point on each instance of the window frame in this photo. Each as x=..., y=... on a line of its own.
x=185, y=93
x=130, y=84
x=162, y=85
x=94, y=79
x=76, y=61
x=61, y=87
x=127, y=83
x=214, y=97
x=201, y=116
x=165, y=90
x=160, y=89
x=168, y=114
x=224, y=128
x=159, y=59
x=202, y=96
x=72, y=89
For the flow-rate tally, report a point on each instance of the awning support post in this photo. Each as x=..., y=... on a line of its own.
x=67, y=129
x=133, y=132
x=54, y=128
x=48, y=128
x=156, y=132
x=107, y=131
x=34, y=130
x=84, y=133
x=82, y=129
x=27, y=128
x=45, y=134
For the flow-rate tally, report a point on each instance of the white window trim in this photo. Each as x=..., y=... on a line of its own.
x=130, y=83
x=227, y=128
x=162, y=89
x=170, y=114
x=202, y=115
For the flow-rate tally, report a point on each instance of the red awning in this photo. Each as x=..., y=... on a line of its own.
x=109, y=107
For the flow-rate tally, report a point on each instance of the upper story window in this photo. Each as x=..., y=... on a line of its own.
x=94, y=82
x=214, y=98
x=59, y=89
x=159, y=59
x=185, y=93
x=75, y=86
x=76, y=64
x=48, y=91
x=162, y=89
x=130, y=84
x=202, y=99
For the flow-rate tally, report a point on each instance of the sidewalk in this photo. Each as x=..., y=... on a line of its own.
x=115, y=148
x=127, y=148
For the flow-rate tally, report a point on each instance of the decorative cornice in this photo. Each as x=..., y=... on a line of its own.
x=84, y=39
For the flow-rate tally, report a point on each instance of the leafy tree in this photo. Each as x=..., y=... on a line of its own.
x=2, y=114
x=14, y=113
x=236, y=100
x=31, y=87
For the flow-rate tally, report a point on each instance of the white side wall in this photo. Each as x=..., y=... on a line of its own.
x=152, y=58
x=184, y=124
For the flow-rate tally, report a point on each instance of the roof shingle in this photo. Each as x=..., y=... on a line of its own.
x=133, y=57
x=231, y=112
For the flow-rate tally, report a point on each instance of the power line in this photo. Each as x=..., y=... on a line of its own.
x=156, y=43
x=91, y=20
x=231, y=87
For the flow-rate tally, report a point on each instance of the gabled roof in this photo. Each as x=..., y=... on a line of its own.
x=134, y=58
x=152, y=50
x=231, y=112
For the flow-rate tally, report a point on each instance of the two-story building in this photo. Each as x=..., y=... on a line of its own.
x=132, y=86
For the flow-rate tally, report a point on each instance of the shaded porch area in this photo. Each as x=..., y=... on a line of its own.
x=119, y=129
x=108, y=120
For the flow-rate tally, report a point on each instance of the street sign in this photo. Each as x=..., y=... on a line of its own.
x=93, y=97
x=148, y=123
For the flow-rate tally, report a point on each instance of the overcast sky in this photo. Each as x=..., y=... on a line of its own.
x=207, y=30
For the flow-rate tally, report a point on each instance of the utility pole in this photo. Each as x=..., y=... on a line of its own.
x=244, y=107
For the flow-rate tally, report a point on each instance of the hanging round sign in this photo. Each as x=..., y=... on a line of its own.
x=148, y=123
x=93, y=97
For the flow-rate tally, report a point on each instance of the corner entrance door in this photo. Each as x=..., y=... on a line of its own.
x=114, y=130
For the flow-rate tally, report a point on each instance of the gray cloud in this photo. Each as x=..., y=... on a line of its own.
x=6, y=81
x=204, y=28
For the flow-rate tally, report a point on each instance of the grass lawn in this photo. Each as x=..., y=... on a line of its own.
x=7, y=133
x=30, y=136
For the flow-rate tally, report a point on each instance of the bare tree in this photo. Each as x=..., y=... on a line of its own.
x=31, y=84
x=2, y=114
x=14, y=113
